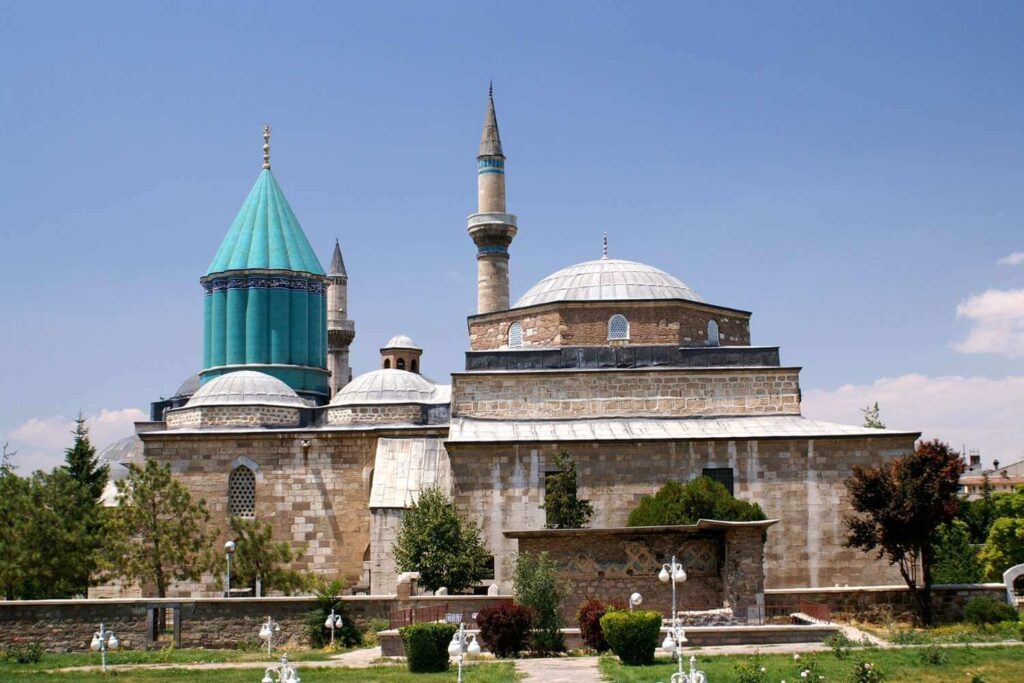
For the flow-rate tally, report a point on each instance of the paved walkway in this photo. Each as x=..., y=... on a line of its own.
x=559, y=669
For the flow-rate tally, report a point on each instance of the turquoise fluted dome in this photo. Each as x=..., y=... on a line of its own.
x=266, y=235
x=265, y=307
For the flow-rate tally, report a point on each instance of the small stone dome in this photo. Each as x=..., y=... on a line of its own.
x=189, y=387
x=389, y=386
x=401, y=341
x=118, y=456
x=607, y=279
x=245, y=387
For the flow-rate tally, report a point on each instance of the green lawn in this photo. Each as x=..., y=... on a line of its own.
x=166, y=656
x=996, y=664
x=477, y=673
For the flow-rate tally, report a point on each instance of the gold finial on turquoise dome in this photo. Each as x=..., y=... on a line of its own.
x=266, y=146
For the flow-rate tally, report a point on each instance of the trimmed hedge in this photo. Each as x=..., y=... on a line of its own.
x=505, y=628
x=633, y=636
x=426, y=646
x=986, y=610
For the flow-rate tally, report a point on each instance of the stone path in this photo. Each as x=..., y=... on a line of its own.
x=559, y=669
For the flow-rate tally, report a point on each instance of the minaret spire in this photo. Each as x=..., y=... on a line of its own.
x=491, y=228
x=340, y=330
x=266, y=147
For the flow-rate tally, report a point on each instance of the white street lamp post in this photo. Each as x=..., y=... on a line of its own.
x=673, y=642
x=229, y=549
x=635, y=600
x=333, y=621
x=286, y=673
x=102, y=641
x=267, y=632
x=462, y=645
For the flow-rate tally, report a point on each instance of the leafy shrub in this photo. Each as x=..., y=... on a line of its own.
x=347, y=635
x=589, y=617
x=536, y=587
x=702, y=498
x=751, y=671
x=840, y=644
x=977, y=678
x=633, y=636
x=426, y=646
x=933, y=656
x=807, y=669
x=866, y=672
x=370, y=630
x=505, y=628
x=986, y=610
x=21, y=652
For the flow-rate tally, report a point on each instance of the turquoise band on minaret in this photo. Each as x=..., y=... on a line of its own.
x=265, y=304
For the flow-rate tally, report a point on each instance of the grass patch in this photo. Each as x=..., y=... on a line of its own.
x=476, y=673
x=995, y=664
x=165, y=656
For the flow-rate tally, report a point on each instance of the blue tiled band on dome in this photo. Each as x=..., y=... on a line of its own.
x=263, y=282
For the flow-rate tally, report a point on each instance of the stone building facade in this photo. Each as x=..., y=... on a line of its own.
x=620, y=363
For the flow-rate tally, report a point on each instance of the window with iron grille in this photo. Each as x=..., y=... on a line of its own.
x=713, y=333
x=723, y=475
x=515, y=335
x=242, y=492
x=618, y=327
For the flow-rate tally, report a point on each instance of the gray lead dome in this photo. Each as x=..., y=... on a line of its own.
x=607, y=279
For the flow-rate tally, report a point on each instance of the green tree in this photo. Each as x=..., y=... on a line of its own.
x=536, y=586
x=7, y=459
x=1004, y=547
x=157, y=534
x=701, y=498
x=956, y=561
x=872, y=417
x=901, y=505
x=563, y=508
x=82, y=464
x=979, y=514
x=437, y=542
x=14, y=513
x=258, y=555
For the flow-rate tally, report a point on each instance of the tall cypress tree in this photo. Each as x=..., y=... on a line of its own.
x=82, y=463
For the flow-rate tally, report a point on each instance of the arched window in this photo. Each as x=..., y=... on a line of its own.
x=242, y=492
x=713, y=333
x=618, y=327
x=414, y=366
x=400, y=364
x=387, y=363
x=515, y=335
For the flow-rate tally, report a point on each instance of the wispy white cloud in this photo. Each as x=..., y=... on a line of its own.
x=40, y=441
x=997, y=323
x=1014, y=259
x=979, y=412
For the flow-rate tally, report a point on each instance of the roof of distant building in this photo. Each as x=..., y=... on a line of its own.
x=607, y=279
x=266, y=235
x=245, y=387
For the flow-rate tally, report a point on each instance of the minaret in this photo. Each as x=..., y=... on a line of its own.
x=491, y=228
x=340, y=330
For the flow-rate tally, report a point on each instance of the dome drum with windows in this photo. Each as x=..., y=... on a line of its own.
x=609, y=302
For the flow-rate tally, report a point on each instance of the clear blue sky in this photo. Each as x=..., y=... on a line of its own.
x=848, y=172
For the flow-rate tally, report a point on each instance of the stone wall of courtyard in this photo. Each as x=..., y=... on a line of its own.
x=800, y=482
x=68, y=625
x=674, y=323
x=659, y=392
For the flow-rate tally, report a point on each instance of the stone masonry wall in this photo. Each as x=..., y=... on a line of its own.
x=316, y=498
x=879, y=603
x=654, y=393
x=797, y=481
x=233, y=416
x=68, y=625
x=676, y=323
x=375, y=414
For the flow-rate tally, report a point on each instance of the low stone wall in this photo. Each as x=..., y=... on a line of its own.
x=878, y=602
